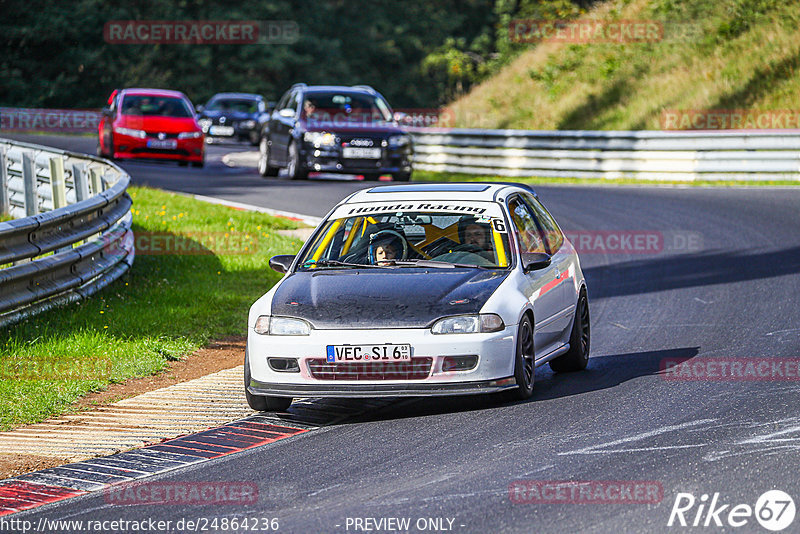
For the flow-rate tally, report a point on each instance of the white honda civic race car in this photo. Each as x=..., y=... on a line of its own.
x=417, y=290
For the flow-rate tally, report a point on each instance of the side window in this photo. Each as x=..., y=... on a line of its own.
x=293, y=101
x=530, y=236
x=554, y=236
x=284, y=99
x=384, y=109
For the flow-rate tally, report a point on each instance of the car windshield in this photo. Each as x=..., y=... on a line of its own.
x=163, y=106
x=407, y=238
x=233, y=104
x=345, y=108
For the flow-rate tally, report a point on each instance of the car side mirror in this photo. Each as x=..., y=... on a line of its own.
x=533, y=261
x=400, y=117
x=108, y=112
x=281, y=262
x=200, y=109
x=286, y=113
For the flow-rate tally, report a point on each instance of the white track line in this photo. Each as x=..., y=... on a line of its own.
x=307, y=219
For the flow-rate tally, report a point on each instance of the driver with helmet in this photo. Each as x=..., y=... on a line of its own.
x=385, y=247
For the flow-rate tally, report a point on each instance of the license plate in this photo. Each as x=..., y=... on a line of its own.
x=162, y=143
x=368, y=353
x=354, y=152
x=221, y=130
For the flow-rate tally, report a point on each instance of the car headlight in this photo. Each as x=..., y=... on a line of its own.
x=319, y=139
x=248, y=124
x=469, y=324
x=190, y=135
x=131, y=132
x=399, y=140
x=281, y=326
x=204, y=124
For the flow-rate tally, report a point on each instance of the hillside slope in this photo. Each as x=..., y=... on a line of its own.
x=736, y=54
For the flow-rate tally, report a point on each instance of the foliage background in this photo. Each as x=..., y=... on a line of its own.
x=417, y=52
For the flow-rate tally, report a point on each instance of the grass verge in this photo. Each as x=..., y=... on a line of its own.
x=165, y=307
x=430, y=176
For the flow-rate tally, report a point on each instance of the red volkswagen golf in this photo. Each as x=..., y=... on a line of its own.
x=152, y=124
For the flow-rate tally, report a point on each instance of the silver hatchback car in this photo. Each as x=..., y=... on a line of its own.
x=421, y=289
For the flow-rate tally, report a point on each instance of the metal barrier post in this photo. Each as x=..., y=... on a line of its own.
x=81, y=182
x=30, y=185
x=97, y=183
x=57, y=185
x=5, y=207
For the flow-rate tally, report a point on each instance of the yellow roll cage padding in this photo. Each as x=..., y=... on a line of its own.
x=352, y=236
x=327, y=239
x=502, y=260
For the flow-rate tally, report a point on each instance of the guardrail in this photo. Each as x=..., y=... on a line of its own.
x=70, y=233
x=648, y=155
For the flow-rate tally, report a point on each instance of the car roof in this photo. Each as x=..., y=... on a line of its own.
x=466, y=191
x=152, y=92
x=252, y=96
x=337, y=88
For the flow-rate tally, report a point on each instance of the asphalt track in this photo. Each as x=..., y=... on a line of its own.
x=734, y=294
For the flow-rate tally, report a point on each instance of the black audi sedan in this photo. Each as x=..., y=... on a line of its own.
x=335, y=129
x=237, y=116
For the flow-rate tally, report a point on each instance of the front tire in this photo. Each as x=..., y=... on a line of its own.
x=524, y=368
x=294, y=169
x=109, y=154
x=261, y=403
x=264, y=168
x=577, y=357
x=402, y=177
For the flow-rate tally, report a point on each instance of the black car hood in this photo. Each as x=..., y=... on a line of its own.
x=372, y=298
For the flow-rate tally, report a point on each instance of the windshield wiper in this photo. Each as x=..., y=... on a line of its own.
x=438, y=264
x=337, y=263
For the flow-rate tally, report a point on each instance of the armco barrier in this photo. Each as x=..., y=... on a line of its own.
x=647, y=155
x=70, y=233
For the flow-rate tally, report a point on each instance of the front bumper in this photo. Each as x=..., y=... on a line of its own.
x=380, y=390
x=239, y=130
x=127, y=147
x=492, y=373
x=330, y=160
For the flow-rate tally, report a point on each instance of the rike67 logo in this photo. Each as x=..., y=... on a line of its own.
x=774, y=510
